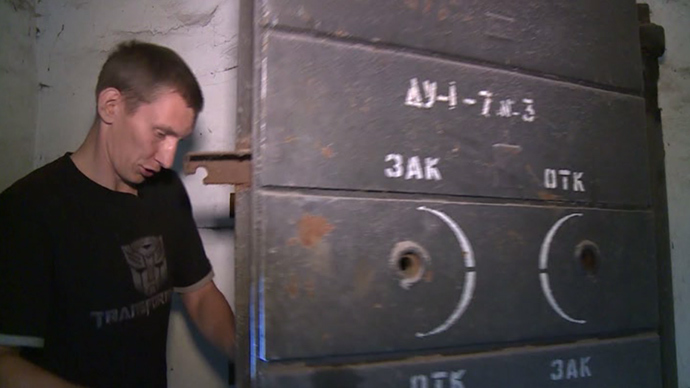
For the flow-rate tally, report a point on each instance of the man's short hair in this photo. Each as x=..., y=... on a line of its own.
x=140, y=70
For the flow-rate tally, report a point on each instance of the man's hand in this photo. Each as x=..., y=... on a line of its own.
x=212, y=314
x=16, y=372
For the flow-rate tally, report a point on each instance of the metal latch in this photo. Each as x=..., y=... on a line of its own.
x=233, y=167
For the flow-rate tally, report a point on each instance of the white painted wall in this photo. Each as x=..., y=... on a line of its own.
x=18, y=87
x=76, y=36
x=674, y=100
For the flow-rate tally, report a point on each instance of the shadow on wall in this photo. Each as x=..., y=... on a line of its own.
x=213, y=357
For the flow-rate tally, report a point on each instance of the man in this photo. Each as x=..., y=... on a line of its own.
x=93, y=244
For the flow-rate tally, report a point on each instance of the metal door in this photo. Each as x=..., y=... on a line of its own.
x=445, y=194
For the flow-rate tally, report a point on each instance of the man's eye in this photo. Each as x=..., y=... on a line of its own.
x=160, y=134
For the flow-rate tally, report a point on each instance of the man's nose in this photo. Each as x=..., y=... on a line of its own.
x=166, y=152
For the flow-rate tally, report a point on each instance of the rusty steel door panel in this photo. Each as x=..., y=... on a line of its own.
x=446, y=194
x=347, y=276
x=342, y=116
x=628, y=363
x=590, y=40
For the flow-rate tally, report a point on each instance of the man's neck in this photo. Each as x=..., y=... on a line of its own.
x=91, y=158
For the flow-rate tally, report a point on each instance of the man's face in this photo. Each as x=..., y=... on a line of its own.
x=143, y=142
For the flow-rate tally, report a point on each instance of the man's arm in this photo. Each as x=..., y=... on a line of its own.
x=16, y=372
x=213, y=316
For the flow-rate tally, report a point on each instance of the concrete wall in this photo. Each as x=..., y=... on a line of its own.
x=18, y=88
x=75, y=38
x=674, y=96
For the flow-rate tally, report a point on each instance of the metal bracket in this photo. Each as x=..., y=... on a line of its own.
x=233, y=167
x=652, y=36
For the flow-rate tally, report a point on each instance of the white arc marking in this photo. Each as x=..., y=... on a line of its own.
x=470, y=275
x=543, y=263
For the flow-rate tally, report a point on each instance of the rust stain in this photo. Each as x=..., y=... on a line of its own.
x=365, y=105
x=327, y=152
x=290, y=139
x=310, y=288
x=292, y=242
x=292, y=288
x=312, y=229
x=546, y=196
x=304, y=15
x=429, y=276
x=531, y=173
x=341, y=33
x=443, y=13
x=427, y=6
x=244, y=142
x=320, y=259
x=412, y=4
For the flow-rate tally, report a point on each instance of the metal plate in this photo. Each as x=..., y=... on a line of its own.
x=351, y=117
x=628, y=363
x=590, y=40
x=339, y=276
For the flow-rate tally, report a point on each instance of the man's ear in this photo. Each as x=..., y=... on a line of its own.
x=109, y=104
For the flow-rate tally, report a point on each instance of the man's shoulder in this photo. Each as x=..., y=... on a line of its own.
x=37, y=184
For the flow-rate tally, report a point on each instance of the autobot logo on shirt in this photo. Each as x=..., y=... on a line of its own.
x=148, y=264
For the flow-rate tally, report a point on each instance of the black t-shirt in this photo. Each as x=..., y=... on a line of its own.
x=87, y=273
